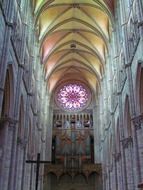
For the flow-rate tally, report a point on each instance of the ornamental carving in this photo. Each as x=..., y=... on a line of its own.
x=86, y=170
x=73, y=96
x=137, y=121
x=127, y=141
x=133, y=34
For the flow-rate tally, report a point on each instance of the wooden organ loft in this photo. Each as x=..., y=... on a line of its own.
x=78, y=120
x=73, y=142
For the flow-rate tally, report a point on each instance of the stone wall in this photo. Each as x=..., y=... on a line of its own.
x=121, y=131
x=23, y=109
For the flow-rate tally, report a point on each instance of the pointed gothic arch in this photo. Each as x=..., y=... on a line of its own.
x=21, y=119
x=139, y=88
x=6, y=113
x=127, y=118
x=118, y=137
x=7, y=105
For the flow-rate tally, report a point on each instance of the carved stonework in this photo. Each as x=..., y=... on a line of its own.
x=16, y=37
x=21, y=142
x=75, y=5
x=127, y=141
x=117, y=156
x=122, y=72
x=137, y=121
x=86, y=170
x=133, y=35
x=7, y=119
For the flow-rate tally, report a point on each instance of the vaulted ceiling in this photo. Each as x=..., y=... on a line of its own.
x=74, y=37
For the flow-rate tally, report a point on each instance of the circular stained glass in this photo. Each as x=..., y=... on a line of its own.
x=73, y=96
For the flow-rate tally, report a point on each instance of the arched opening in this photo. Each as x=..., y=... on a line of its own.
x=118, y=145
x=5, y=113
x=127, y=119
x=139, y=108
x=139, y=89
x=21, y=121
x=54, y=149
x=50, y=181
x=141, y=92
x=6, y=97
x=92, y=148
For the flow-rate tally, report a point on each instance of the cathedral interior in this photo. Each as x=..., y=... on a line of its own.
x=71, y=94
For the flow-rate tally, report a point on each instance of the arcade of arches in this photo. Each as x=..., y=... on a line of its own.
x=71, y=89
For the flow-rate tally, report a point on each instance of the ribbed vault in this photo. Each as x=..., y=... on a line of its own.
x=74, y=37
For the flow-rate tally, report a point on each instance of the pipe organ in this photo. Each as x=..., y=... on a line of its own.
x=72, y=139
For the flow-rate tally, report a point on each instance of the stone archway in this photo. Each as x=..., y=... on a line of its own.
x=138, y=120
x=4, y=114
x=127, y=119
x=141, y=92
x=139, y=89
x=5, y=121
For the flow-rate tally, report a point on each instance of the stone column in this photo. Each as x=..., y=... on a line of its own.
x=112, y=178
x=135, y=163
x=125, y=187
x=14, y=140
x=121, y=128
x=116, y=171
x=10, y=124
x=104, y=178
x=138, y=130
x=19, y=161
x=128, y=149
x=109, y=179
x=119, y=171
x=49, y=134
x=24, y=168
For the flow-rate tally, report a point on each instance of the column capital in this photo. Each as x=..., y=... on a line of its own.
x=117, y=156
x=127, y=141
x=10, y=120
x=137, y=120
x=22, y=142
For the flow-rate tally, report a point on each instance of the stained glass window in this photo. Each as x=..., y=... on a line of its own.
x=72, y=96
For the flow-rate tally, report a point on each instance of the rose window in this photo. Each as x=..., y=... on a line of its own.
x=73, y=96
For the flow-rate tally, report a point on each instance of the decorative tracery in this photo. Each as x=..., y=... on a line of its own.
x=73, y=97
